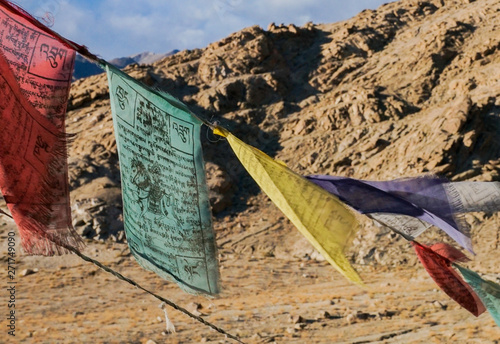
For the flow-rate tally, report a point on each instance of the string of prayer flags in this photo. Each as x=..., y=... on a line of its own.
x=167, y=215
x=426, y=198
x=325, y=221
x=35, y=77
x=437, y=260
x=488, y=291
x=166, y=210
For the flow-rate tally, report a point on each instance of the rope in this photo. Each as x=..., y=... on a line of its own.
x=168, y=302
x=4, y=213
x=137, y=285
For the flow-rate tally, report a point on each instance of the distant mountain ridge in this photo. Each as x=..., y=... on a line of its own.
x=84, y=68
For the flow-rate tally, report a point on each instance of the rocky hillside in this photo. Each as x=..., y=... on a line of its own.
x=407, y=89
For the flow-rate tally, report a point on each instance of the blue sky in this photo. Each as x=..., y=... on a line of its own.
x=116, y=28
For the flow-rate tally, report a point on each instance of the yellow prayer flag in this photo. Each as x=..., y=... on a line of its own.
x=321, y=217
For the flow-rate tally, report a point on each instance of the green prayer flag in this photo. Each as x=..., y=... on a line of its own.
x=488, y=292
x=166, y=211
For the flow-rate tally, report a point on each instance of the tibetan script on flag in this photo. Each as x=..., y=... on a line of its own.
x=42, y=65
x=166, y=208
x=425, y=198
x=321, y=217
x=437, y=260
x=476, y=196
x=35, y=77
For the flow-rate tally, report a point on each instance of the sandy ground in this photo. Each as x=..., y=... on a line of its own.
x=264, y=300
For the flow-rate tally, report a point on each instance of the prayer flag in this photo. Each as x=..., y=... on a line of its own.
x=488, y=291
x=425, y=198
x=166, y=210
x=35, y=77
x=327, y=223
x=408, y=226
x=476, y=196
x=437, y=261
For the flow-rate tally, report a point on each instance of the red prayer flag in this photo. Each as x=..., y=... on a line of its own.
x=437, y=261
x=35, y=78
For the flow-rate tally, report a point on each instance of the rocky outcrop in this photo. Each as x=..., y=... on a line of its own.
x=407, y=89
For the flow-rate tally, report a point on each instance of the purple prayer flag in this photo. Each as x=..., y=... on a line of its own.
x=425, y=198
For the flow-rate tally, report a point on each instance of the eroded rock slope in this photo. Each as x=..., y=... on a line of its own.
x=407, y=89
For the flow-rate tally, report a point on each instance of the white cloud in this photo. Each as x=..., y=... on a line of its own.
x=113, y=28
